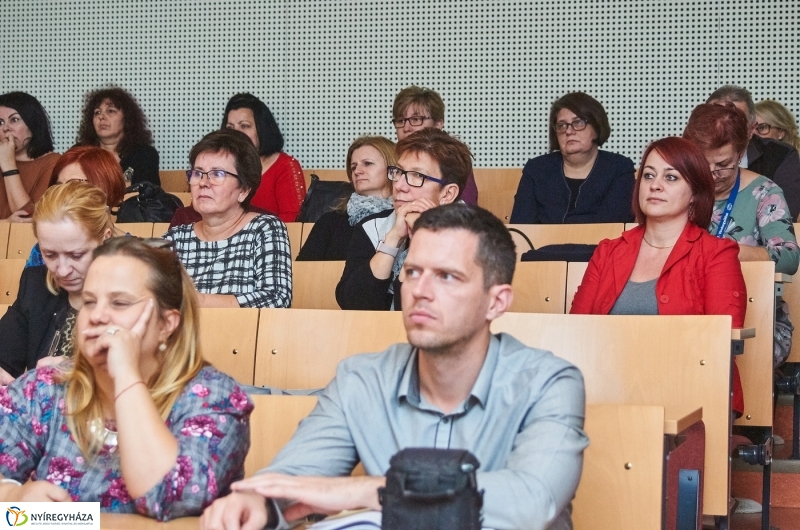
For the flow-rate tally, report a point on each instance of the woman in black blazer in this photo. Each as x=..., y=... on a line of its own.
x=70, y=221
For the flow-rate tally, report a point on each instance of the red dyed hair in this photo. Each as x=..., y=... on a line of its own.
x=712, y=126
x=689, y=161
x=100, y=168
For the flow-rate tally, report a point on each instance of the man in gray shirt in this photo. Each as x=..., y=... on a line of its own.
x=519, y=410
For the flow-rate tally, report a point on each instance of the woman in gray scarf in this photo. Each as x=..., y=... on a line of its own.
x=367, y=162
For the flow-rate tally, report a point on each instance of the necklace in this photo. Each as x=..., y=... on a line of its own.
x=652, y=245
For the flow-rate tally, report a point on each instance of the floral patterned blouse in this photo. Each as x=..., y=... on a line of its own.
x=760, y=217
x=210, y=420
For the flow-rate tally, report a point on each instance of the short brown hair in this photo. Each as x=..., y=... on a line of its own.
x=245, y=157
x=418, y=96
x=586, y=108
x=452, y=155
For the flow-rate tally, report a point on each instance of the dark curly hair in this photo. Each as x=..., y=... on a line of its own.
x=134, y=124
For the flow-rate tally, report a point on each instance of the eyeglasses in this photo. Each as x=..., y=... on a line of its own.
x=764, y=128
x=214, y=176
x=724, y=172
x=416, y=121
x=577, y=125
x=414, y=178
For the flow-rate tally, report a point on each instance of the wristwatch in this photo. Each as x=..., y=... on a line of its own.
x=386, y=249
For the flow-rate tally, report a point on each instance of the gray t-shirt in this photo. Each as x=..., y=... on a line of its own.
x=637, y=298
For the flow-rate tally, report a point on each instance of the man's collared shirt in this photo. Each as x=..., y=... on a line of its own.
x=523, y=421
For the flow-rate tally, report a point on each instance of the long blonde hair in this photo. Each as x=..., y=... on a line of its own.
x=78, y=202
x=180, y=362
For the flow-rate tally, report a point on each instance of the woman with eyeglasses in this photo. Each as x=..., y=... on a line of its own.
x=432, y=169
x=368, y=159
x=138, y=421
x=113, y=120
x=749, y=208
x=26, y=154
x=236, y=258
x=775, y=121
x=70, y=221
x=576, y=182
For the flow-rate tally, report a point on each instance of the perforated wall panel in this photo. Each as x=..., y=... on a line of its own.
x=329, y=69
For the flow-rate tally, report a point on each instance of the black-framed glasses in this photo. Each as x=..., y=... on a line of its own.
x=414, y=178
x=577, y=125
x=214, y=176
x=724, y=172
x=416, y=121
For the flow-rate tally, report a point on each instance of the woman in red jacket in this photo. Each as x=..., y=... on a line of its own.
x=669, y=264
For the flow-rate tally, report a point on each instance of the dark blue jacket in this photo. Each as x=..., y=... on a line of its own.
x=543, y=194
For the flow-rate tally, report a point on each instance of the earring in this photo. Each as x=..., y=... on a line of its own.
x=162, y=347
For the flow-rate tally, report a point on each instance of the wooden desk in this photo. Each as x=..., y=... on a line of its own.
x=118, y=521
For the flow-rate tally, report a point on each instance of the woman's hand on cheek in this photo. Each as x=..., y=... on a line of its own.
x=7, y=152
x=122, y=347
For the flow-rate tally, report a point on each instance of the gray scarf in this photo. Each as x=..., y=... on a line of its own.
x=360, y=206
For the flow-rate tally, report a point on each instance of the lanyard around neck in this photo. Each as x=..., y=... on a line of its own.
x=726, y=213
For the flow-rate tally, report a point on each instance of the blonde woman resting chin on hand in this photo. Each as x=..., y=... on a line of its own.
x=139, y=421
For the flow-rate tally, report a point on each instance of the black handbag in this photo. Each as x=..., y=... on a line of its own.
x=151, y=205
x=323, y=196
x=570, y=252
x=431, y=489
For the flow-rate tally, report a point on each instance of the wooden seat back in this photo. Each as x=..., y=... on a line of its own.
x=272, y=424
x=159, y=229
x=174, y=180
x=314, y=284
x=144, y=230
x=755, y=365
x=10, y=273
x=496, y=189
x=185, y=198
x=3, y=309
x=5, y=226
x=575, y=272
x=307, y=227
x=539, y=287
x=541, y=235
x=20, y=240
x=295, y=232
x=621, y=483
x=325, y=174
x=300, y=348
x=678, y=362
x=228, y=340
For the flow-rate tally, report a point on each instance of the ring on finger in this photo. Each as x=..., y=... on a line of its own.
x=112, y=330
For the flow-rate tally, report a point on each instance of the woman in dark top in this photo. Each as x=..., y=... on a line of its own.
x=114, y=121
x=576, y=182
x=367, y=161
x=70, y=221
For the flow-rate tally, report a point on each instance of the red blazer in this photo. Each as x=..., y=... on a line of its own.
x=702, y=276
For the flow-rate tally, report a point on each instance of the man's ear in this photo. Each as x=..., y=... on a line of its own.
x=448, y=194
x=500, y=299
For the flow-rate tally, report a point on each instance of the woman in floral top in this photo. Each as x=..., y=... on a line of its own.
x=139, y=422
x=760, y=220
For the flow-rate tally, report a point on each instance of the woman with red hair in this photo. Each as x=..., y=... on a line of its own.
x=669, y=264
x=94, y=165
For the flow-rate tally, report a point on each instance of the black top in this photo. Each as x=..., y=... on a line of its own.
x=780, y=163
x=329, y=239
x=140, y=164
x=28, y=327
x=543, y=195
x=359, y=288
x=574, y=188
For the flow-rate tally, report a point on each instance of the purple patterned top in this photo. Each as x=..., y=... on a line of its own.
x=210, y=420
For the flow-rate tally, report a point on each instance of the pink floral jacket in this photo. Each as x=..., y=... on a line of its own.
x=210, y=421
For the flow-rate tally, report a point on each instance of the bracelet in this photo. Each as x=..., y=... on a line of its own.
x=10, y=481
x=386, y=249
x=11, y=172
x=126, y=389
